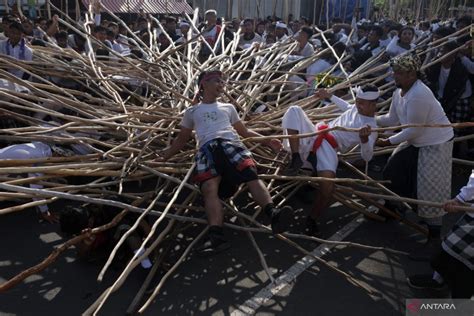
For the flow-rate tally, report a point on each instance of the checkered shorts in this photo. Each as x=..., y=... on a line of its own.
x=462, y=112
x=459, y=243
x=236, y=153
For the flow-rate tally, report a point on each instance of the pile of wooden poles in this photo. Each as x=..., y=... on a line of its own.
x=125, y=126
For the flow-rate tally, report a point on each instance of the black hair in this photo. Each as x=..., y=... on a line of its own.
x=73, y=220
x=61, y=34
x=205, y=73
x=100, y=28
x=17, y=26
x=407, y=28
x=110, y=33
x=248, y=20
x=450, y=46
x=369, y=88
x=170, y=19
x=464, y=19
x=444, y=31
x=425, y=24
x=307, y=30
x=377, y=30
x=142, y=19
x=112, y=24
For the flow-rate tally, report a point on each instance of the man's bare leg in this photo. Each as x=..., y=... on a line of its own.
x=323, y=198
x=280, y=216
x=324, y=194
x=215, y=218
x=212, y=204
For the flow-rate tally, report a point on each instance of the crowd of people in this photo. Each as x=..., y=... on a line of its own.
x=420, y=166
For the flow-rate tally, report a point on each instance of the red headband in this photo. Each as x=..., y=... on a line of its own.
x=210, y=76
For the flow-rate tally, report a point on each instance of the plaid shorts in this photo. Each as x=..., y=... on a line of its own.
x=459, y=243
x=221, y=157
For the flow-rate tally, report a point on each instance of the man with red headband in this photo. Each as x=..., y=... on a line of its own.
x=223, y=162
x=320, y=152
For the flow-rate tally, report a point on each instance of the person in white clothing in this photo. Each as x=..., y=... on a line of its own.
x=420, y=167
x=248, y=36
x=16, y=47
x=402, y=43
x=305, y=48
x=33, y=150
x=320, y=152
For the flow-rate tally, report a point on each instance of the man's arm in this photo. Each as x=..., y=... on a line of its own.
x=466, y=194
x=367, y=141
x=417, y=112
x=340, y=103
x=389, y=119
x=178, y=143
x=244, y=132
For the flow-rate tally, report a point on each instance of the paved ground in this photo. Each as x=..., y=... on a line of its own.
x=222, y=284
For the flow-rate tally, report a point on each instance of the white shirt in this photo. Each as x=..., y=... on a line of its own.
x=121, y=45
x=16, y=52
x=307, y=50
x=211, y=121
x=352, y=119
x=467, y=192
x=393, y=49
x=417, y=106
x=385, y=42
x=256, y=39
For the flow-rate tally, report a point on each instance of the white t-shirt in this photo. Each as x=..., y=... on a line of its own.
x=307, y=50
x=417, y=106
x=256, y=39
x=393, y=49
x=211, y=121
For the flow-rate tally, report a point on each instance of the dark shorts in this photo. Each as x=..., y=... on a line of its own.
x=231, y=177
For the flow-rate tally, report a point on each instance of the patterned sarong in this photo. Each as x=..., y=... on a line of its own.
x=459, y=243
x=434, y=177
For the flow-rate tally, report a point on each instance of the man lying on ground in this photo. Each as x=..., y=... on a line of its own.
x=320, y=151
x=222, y=159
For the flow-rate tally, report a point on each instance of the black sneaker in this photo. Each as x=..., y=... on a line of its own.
x=426, y=251
x=295, y=164
x=280, y=219
x=212, y=245
x=424, y=282
x=312, y=228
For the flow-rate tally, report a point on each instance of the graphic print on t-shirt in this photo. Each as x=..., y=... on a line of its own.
x=209, y=117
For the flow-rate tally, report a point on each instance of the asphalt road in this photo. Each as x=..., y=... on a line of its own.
x=221, y=285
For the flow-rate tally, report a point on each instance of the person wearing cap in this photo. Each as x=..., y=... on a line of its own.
x=210, y=32
x=320, y=152
x=248, y=36
x=222, y=161
x=420, y=167
x=453, y=264
x=184, y=27
x=281, y=31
